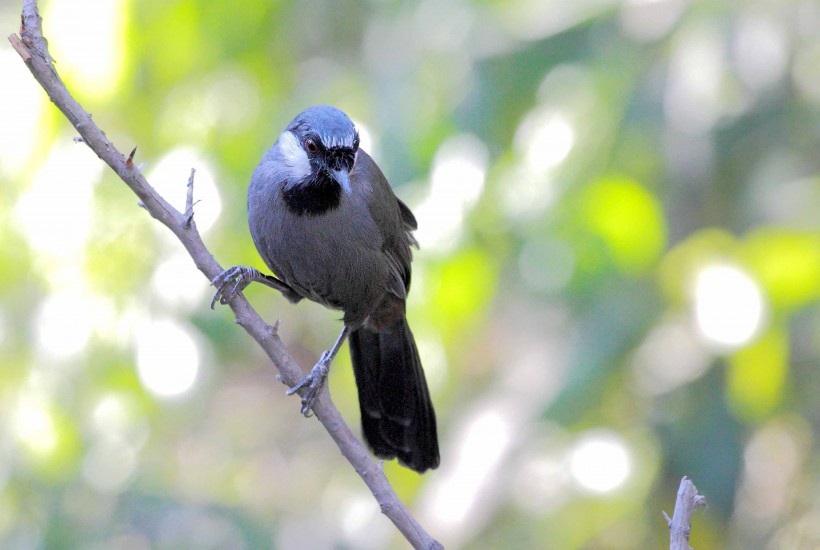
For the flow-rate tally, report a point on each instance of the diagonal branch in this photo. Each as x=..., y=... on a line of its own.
x=32, y=47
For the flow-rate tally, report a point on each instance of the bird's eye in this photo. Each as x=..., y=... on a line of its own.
x=356, y=142
x=311, y=147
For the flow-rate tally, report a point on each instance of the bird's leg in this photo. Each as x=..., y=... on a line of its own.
x=236, y=278
x=315, y=381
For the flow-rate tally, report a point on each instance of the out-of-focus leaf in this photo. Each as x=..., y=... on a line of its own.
x=757, y=375
x=464, y=285
x=787, y=263
x=629, y=219
x=49, y=436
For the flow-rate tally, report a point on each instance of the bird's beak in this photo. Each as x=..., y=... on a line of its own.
x=343, y=178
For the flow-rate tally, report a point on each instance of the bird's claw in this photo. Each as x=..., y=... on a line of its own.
x=313, y=384
x=241, y=276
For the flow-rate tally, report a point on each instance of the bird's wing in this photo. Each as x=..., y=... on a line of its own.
x=394, y=220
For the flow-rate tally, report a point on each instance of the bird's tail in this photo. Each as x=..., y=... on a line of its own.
x=398, y=420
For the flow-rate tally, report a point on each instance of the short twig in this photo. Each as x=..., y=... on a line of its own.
x=680, y=524
x=189, y=201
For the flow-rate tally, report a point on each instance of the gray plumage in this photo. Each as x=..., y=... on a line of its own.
x=344, y=258
x=327, y=223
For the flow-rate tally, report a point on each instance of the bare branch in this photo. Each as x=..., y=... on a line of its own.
x=33, y=49
x=680, y=524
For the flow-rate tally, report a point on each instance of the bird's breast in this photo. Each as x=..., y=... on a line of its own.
x=333, y=258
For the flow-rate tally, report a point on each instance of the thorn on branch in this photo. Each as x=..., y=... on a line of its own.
x=129, y=162
x=272, y=330
x=79, y=139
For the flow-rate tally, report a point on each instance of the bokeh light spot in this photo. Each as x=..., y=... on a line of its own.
x=64, y=325
x=600, y=461
x=761, y=50
x=693, y=100
x=35, y=427
x=89, y=42
x=177, y=281
x=167, y=359
x=481, y=448
x=545, y=138
x=55, y=213
x=356, y=517
x=456, y=183
x=21, y=111
x=729, y=306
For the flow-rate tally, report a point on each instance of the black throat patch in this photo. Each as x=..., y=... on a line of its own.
x=313, y=197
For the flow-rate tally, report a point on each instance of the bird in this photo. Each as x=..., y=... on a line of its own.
x=327, y=223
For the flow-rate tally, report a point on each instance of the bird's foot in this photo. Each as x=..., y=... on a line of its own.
x=313, y=383
x=233, y=280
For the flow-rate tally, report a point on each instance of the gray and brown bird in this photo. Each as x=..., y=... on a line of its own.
x=326, y=222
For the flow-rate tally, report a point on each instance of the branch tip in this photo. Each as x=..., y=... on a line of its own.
x=680, y=525
x=189, y=201
x=20, y=47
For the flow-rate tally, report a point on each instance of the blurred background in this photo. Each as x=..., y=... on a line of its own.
x=618, y=282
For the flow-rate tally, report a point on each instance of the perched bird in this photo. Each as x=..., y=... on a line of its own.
x=326, y=222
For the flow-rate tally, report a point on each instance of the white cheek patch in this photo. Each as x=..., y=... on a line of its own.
x=297, y=165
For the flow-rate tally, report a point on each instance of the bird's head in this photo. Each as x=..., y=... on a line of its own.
x=321, y=145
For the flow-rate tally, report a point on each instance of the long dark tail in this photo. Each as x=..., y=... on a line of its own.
x=397, y=415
